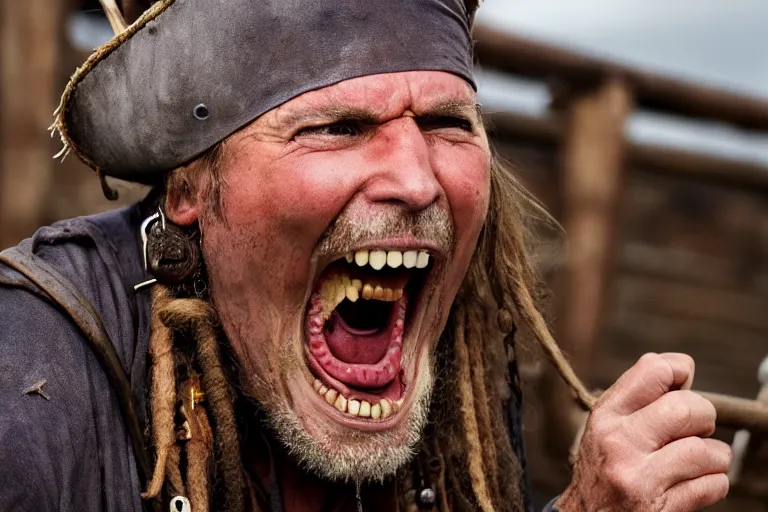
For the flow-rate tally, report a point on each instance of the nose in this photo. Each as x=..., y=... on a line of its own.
x=402, y=170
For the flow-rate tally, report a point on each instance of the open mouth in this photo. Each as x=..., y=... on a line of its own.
x=356, y=321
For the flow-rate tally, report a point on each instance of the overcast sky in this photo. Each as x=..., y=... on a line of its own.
x=721, y=42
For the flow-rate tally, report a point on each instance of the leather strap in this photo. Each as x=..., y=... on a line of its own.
x=60, y=290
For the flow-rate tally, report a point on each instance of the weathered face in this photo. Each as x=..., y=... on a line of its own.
x=350, y=217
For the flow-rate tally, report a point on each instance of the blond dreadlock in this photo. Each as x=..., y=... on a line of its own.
x=192, y=320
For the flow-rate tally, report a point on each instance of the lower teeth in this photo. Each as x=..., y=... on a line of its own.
x=384, y=408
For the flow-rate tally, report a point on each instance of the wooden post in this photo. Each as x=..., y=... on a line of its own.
x=591, y=187
x=591, y=192
x=30, y=40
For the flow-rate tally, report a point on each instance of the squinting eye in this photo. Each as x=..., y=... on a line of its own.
x=440, y=122
x=340, y=129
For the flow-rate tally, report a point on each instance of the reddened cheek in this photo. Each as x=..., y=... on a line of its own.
x=465, y=177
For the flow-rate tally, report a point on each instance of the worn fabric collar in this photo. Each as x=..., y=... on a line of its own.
x=191, y=72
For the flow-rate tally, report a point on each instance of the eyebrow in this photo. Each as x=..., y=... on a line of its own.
x=332, y=114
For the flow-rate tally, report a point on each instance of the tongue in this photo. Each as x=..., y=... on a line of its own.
x=356, y=345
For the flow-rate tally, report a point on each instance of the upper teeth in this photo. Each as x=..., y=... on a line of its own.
x=378, y=259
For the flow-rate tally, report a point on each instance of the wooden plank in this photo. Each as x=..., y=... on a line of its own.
x=548, y=131
x=713, y=169
x=677, y=265
x=693, y=301
x=727, y=357
x=571, y=70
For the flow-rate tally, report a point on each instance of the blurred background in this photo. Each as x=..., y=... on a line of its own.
x=640, y=124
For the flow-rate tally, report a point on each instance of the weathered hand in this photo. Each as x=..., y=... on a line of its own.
x=644, y=447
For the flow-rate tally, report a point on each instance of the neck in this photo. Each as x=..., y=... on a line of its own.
x=272, y=470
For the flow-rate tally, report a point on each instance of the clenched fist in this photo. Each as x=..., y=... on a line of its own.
x=645, y=445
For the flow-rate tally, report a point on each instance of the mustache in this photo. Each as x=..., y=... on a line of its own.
x=354, y=228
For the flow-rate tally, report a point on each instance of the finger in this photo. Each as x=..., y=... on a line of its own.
x=688, y=459
x=676, y=415
x=651, y=377
x=696, y=494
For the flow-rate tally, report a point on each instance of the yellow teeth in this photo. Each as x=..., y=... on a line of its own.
x=378, y=259
x=361, y=408
x=340, y=404
x=386, y=408
x=352, y=293
x=338, y=287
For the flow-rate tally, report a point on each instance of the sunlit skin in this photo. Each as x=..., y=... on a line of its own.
x=370, y=147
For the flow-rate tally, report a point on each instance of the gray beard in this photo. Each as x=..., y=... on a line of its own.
x=360, y=456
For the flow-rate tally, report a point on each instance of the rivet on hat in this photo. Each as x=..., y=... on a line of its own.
x=201, y=112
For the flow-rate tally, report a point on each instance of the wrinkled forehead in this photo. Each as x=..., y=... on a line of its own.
x=379, y=98
x=192, y=72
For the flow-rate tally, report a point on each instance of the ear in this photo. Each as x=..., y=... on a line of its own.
x=182, y=203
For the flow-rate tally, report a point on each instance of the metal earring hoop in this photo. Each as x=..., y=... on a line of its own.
x=171, y=253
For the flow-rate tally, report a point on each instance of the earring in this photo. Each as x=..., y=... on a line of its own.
x=171, y=253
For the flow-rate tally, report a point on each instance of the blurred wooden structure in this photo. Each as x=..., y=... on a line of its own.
x=36, y=61
x=667, y=249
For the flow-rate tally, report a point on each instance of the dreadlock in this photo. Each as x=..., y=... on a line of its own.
x=202, y=389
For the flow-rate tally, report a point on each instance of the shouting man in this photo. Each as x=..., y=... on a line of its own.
x=315, y=307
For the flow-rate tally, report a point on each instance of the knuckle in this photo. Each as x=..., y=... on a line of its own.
x=698, y=447
x=649, y=361
x=707, y=455
x=620, y=478
x=660, y=368
x=604, y=431
x=612, y=444
x=686, y=410
x=648, y=357
x=677, y=409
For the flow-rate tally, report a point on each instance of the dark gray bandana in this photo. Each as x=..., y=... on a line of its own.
x=195, y=71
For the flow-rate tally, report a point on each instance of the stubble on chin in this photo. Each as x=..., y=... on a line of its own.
x=337, y=453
